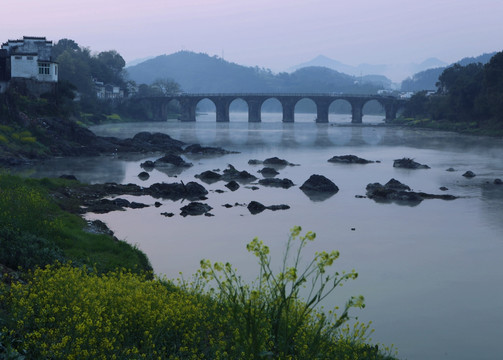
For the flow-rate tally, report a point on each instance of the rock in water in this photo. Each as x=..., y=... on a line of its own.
x=349, y=159
x=273, y=182
x=195, y=208
x=319, y=183
x=143, y=175
x=407, y=163
x=232, y=185
x=254, y=207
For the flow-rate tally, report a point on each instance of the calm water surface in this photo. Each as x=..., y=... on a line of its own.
x=431, y=274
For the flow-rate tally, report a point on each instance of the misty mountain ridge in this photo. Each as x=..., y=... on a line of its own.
x=395, y=72
x=427, y=79
x=201, y=73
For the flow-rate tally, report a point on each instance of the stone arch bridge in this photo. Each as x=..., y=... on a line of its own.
x=188, y=103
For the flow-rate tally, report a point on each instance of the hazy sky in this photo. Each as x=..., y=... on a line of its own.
x=275, y=34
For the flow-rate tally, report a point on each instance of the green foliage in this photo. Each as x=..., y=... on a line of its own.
x=273, y=318
x=469, y=98
x=67, y=312
x=27, y=251
x=29, y=215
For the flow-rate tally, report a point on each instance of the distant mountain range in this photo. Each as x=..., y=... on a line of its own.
x=426, y=80
x=395, y=72
x=198, y=72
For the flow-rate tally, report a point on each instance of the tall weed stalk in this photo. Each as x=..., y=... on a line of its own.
x=272, y=317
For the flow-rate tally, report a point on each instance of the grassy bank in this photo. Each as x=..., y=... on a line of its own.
x=469, y=128
x=81, y=295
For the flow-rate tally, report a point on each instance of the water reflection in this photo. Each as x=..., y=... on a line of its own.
x=410, y=258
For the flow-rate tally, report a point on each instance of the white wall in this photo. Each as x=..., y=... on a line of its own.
x=28, y=68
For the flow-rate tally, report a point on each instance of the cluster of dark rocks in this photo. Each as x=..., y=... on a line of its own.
x=349, y=159
x=395, y=191
x=408, y=163
x=100, y=198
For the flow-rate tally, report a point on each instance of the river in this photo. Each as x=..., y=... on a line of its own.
x=431, y=274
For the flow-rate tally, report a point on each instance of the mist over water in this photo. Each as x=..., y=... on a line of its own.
x=431, y=274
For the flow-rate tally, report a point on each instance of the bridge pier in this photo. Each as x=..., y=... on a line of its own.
x=288, y=105
x=322, y=111
x=188, y=109
x=357, y=110
x=391, y=110
x=222, y=109
x=254, y=110
x=188, y=104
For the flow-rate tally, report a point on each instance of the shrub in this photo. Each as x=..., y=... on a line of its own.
x=24, y=250
x=65, y=312
x=272, y=317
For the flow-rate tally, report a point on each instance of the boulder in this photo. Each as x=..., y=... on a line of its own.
x=279, y=183
x=195, y=208
x=268, y=172
x=498, y=182
x=232, y=185
x=148, y=165
x=209, y=176
x=469, y=174
x=254, y=207
x=254, y=162
x=319, y=183
x=408, y=163
x=177, y=191
x=395, y=191
x=171, y=160
x=147, y=141
x=349, y=159
x=231, y=173
x=396, y=185
x=206, y=150
x=143, y=175
x=275, y=161
x=278, y=207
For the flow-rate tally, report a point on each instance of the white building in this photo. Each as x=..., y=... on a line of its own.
x=29, y=58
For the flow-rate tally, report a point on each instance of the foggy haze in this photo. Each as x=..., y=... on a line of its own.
x=271, y=34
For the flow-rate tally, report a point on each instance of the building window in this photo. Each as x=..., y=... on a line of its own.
x=18, y=57
x=29, y=58
x=44, y=68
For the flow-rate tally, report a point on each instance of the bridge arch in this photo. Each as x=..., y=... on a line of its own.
x=307, y=107
x=373, y=110
x=339, y=110
x=273, y=107
x=288, y=102
x=203, y=106
x=237, y=107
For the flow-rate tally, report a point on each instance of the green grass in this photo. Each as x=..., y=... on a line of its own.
x=26, y=209
x=88, y=296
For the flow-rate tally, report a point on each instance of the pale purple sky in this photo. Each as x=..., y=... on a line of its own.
x=275, y=34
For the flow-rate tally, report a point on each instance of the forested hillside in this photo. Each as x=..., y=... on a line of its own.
x=468, y=98
x=203, y=73
x=426, y=80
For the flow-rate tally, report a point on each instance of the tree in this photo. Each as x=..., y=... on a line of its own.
x=113, y=60
x=167, y=86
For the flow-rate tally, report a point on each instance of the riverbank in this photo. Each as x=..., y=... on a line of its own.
x=465, y=128
x=97, y=298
